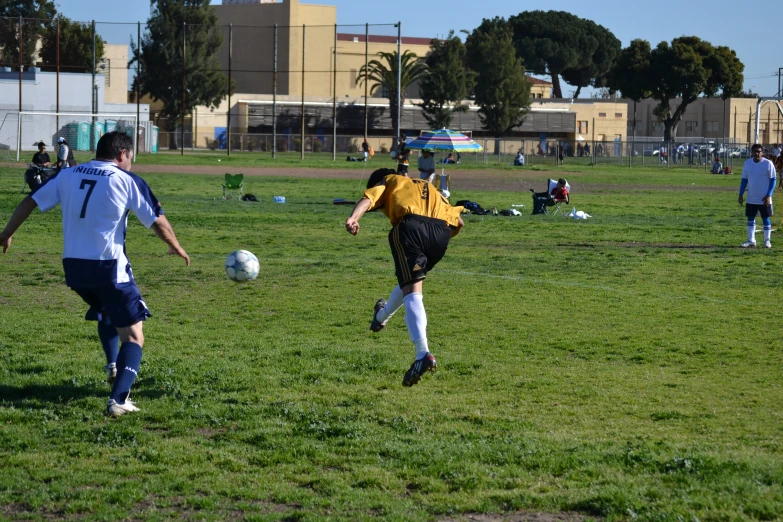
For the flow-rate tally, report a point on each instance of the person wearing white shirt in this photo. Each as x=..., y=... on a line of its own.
x=426, y=166
x=519, y=161
x=758, y=176
x=95, y=199
x=776, y=151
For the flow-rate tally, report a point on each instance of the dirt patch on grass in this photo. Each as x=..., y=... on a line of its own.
x=530, y=516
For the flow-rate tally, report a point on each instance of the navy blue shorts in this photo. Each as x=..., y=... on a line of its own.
x=121, y=303
x=752, y=210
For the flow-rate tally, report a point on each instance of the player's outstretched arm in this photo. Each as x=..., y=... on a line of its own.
x=163, y=230
x=19, y=216
x=352, y=223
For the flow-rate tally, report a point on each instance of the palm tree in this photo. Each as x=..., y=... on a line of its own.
x=383, y=73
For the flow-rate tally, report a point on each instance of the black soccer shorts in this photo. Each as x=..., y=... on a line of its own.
x=417, y=244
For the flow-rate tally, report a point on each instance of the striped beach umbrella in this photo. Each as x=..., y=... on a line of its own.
x=444, y=140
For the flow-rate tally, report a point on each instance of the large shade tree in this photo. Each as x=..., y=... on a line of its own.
x=683, y=70
x=448, y=82
x=381, y=74
x=161, y=57
x=560, y=44
x=502, y=91
x=35, y=15
x=75, y=47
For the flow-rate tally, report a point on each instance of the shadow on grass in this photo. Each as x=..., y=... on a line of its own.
x=35, y=395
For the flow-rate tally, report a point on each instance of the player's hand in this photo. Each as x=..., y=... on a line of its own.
x=179, y=251
x=5, y=241
x=352, y=226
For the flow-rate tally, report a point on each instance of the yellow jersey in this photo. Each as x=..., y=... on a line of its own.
x=400, y=196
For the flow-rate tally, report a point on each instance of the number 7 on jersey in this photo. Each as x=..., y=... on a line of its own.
x=91, y=183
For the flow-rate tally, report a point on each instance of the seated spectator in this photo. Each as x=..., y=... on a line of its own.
x=560, y=193
x=519, y=161
x=41, y=158
x=717, y=167
x=448, y=159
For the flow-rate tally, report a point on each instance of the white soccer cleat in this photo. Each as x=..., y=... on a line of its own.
x=767, y=244
x=748, y=244
x=115, y=409
x=111, y=372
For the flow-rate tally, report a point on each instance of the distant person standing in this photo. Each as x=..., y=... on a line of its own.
x=366, y=150
x=96, y=199
x=64, y=154
x=403, y=160
x=41, y=158
x=776, y=151
x=426, y=165
x=758, y=176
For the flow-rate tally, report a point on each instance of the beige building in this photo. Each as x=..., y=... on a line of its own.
x=711, y=120
x=114, y=67
x=306, y=39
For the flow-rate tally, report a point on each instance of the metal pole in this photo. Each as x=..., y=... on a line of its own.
x=334, y=103
x=302, y=139
x=399, y=76
x=138, y=91
x=21, y=61
x=94, y=97
x=182, y=111
x=274, y=97
x=228, y=117
x=366, y=65
x=57, y=88
x=633, y=138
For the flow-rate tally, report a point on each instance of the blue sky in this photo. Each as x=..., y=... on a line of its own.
x=753, y=33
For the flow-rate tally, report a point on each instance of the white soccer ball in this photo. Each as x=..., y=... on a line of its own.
x=445, y=193
x=242, y=266
x=393, y=154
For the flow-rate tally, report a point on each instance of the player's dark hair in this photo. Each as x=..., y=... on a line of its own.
x=756, y=146
x=377, y=176
x=561, y=181
x=112, y=144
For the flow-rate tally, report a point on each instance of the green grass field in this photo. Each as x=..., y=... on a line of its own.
x=627, y=367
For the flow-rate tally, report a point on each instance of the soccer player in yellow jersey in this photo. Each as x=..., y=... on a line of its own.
x=423, y=222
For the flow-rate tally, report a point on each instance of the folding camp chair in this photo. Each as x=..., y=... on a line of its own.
x=554, y=208
x=233, y=185
x=544, y=203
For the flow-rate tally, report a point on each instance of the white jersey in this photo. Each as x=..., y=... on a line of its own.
x=96, y=198
x=62, y=152
x=758, y=176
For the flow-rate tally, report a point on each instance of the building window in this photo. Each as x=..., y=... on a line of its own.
x=618, y=114
x=354, y=77
x=583, y=127
x=691, y=126
x=602, y=115
x=712, y=126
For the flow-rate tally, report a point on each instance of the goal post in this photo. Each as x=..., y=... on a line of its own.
x=759, y=102
x=21, y=131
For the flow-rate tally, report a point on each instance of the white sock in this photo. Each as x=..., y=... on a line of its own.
x=392, y=305
x=752, y=231
x=767, y=232
x=416, y=320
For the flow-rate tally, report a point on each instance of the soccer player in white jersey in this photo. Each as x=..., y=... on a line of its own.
x=95, y=198
x=758, y=176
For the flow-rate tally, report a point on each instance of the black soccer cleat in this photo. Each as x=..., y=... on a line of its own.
x=376, y=325
x=418, y=369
